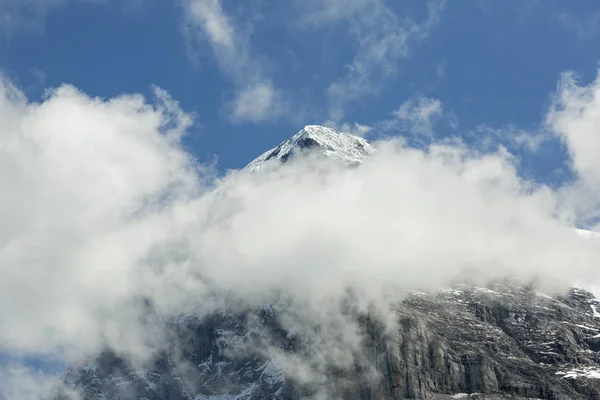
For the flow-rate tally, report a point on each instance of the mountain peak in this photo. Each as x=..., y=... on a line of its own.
x=342, y=147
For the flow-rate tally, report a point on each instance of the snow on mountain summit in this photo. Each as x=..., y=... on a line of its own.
x=342, y=147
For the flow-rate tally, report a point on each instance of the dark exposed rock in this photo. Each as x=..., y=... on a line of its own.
x=481, y=343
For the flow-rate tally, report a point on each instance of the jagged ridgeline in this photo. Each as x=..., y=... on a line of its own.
x=498, y=342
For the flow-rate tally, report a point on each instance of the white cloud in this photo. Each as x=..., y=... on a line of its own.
x=231, y=47
x=575, y=116
x=511, y=136
x=209, y=15
x=257, y=103
x=82, y=175
x=205, y=21
x=101, y=207
x=355, y=128
x=419, y=115
x=22, y=383
x=382, y=39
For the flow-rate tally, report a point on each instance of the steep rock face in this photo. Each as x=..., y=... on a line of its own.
x=498, y=342
x=511, y=341
x=216, y=357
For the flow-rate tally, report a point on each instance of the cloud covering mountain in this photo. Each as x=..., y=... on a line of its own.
x=104, y=212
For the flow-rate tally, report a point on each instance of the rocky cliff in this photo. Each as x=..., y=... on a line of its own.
x=467, y=342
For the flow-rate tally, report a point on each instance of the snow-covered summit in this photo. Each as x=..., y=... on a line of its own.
x=342, y=147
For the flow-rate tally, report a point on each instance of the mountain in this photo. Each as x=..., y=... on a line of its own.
x=344, y=148
x=503, y=341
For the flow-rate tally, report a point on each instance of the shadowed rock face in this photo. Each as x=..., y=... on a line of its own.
x=494, y=343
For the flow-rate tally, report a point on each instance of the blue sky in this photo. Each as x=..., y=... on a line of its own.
x=491, y=63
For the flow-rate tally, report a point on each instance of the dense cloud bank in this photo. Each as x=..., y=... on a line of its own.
x=103, y=212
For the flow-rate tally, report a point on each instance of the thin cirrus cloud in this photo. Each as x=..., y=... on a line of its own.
x=419, y=115
x=255, y=103
x=382, y=39
x=420, y=120
x=585, y=27
x=208, y=14
x=380, y=36
x=256, y=99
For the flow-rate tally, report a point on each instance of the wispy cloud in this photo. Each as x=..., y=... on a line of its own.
x=584, y=27
x=257, y=103
x=25, y=383
x=355, y=128
x=206, y=21
x=487, y=137
x=209, y=16
x=419, y=115
x=381, y=37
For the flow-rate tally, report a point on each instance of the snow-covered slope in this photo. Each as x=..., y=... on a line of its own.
x=342, y=147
